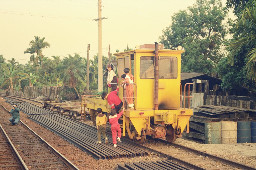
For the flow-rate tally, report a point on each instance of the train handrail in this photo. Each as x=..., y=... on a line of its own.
x=83, y=104
x=188, y=95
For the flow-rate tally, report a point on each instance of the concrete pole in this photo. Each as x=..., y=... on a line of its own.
x=100, y=71
x=88, y=66
x=109, y=54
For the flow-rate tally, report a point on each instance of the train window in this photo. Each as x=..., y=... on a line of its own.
x=120, y=68
x=168, y=67
x=127, y=62
x=146, y=67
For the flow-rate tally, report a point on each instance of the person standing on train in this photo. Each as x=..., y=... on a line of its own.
x=128, y=82
x=115, y=126
x=15, y=115
x=113, y=100
x=111, y=79
x=101, y=121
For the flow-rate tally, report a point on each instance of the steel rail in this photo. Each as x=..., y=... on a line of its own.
x=166, y=164
x=24, y=98
x=231, y=163
x=53, y=150
x=169, y=157
x=66, y=161
x=85, y=137
x=20, y=160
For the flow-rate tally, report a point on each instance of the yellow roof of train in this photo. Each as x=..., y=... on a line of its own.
x=120, y=54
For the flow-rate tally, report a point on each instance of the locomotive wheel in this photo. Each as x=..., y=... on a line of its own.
x=170, y=134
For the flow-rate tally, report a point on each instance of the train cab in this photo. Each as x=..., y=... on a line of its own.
x=156, y=96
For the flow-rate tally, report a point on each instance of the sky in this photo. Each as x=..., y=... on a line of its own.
x=69, y=26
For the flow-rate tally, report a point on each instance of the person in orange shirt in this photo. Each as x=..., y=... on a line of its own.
x=101, y=121
x=128, y=83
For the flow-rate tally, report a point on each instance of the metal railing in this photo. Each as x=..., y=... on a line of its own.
x=186, y=95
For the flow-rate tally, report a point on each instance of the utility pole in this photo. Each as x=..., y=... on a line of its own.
x=109, y=54
x=100, y=70
x=88, y=65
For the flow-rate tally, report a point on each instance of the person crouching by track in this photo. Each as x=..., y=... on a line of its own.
x=115, y=126
x=113, y=100
x=101, y=121
x=15, y=115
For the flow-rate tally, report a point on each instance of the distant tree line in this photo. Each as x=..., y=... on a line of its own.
x=48, y=71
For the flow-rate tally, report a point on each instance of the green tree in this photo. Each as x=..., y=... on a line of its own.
x=36, y=47
x=2, y=60
x=93, y=75
x=73, y=72
x=10, y=73
x=241, y=48
x=237, y=5
x=200, y=30
x=248, y=39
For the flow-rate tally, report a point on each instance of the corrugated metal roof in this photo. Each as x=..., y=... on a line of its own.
x=185, y=76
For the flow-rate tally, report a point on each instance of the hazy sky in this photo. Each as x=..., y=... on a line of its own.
x=68, y=25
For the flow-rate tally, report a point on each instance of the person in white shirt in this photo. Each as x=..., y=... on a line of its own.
x=111, y=79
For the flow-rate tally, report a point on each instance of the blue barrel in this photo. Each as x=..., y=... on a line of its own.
x=253, y=128
x=244, y=132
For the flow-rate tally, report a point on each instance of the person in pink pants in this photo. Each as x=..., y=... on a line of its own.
x=115, y=126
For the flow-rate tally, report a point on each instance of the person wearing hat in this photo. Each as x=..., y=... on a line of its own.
x=15, y=115
x=101, y=121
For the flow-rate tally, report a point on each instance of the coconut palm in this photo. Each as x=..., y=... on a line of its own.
x=36, y=47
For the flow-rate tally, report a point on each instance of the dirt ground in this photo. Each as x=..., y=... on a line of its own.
x=239, y=149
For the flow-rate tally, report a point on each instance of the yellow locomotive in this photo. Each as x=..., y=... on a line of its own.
x=157, y=94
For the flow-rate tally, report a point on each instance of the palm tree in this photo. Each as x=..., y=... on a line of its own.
x=36, y=47
x=10, y=73
x=74, y=72
x=249, y=15
x=247, y=39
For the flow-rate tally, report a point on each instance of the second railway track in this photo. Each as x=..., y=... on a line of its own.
x=33, y=150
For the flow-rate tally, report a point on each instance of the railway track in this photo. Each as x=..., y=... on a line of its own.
x=198, y=158
x=36, y=107
x=84, y=136
x=166, y=164
x=24, y=99
x=34, y=152
x=9, y=157
x=77, y=133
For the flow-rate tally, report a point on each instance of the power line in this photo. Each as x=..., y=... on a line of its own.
x=43, y=16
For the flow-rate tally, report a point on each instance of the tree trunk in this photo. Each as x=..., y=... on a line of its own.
x=11, y=83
